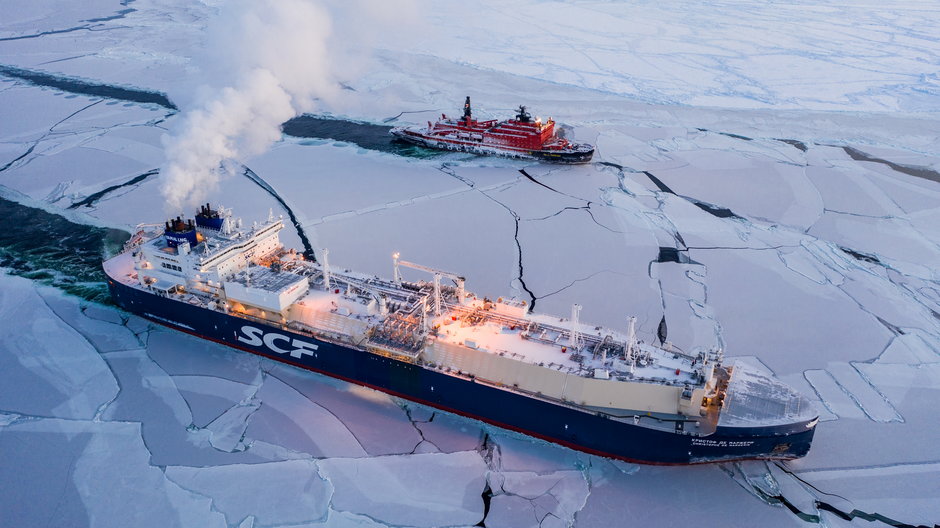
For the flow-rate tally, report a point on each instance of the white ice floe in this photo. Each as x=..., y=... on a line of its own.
x=418, y=490
x=835, y=398
x=48, y=368
x=209, y=397
x=377, y=421
x=904, y=491
x=288, y=492
x=103, y=478
x=287, y=418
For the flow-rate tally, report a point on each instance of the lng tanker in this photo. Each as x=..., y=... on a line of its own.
x=432, y=341
x=522, y=137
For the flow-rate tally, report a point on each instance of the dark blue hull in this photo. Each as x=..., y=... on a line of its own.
x=574, y=428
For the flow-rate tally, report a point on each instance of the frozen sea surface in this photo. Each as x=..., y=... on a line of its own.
x=767, y=180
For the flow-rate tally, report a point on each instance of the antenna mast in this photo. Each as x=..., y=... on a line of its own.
x=575, y=339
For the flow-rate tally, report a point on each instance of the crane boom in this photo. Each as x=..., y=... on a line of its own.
x=459, y=280
x=430, y=270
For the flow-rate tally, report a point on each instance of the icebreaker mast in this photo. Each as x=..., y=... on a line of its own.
x=467, y=112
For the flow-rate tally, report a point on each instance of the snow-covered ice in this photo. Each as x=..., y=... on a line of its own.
x=767, y=180
x=428, y=489
x=288, y=492
x=33, y=339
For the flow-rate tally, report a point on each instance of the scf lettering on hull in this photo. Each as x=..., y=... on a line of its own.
x=279, y=343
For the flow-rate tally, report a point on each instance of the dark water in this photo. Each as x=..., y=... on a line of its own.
x=92, y=199
x=679, y=256
x=668, y=254
x=659, y=183
x=120, y=14
x=798, y=144
x=83, y=87
x=308, y=249
x=729, y=134
x=661, y=331
x=714, y=210
x=858, y=255
x=366, y=135
x=912, y=170
x=53, y=250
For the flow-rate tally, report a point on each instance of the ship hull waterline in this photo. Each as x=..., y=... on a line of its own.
x=573, y=428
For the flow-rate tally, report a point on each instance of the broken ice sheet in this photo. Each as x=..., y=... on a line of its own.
x=469, y=232
x=93, y=473
x=691, y=324
x=511, y=511
x=24, y=20
x=852, y=380
x=208, y=396
x=833, y=397
x=378, y=422
x=516, y=452
x=560, y=494
x=857, y=441
x=757, y=185
x=911, y=348
x=904, y=493
x=275, y=493
x=103, y=327
x=48, y=171
x=149, y=396
x=448, y=433
x=287, y=418
x=893, y=304
x=181, y=354
x=703, y=493
x=531, y=198
x=36, y=377
x=905, y=386
x=849, y=190
x=787, y=308
x=227, y=432
x=431, y=489
x=892, y=239
x=46, y=108
x=378, y=180
x=568, y=258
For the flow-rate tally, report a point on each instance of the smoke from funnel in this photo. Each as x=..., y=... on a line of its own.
x=266, y=61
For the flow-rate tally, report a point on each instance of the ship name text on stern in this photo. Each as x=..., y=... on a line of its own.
x=707, y=442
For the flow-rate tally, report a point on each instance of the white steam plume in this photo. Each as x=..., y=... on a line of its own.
x=268, y=61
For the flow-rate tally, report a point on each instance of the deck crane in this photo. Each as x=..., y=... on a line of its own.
x=362, y=286
x=438, y=301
